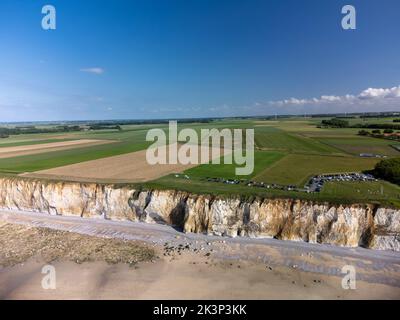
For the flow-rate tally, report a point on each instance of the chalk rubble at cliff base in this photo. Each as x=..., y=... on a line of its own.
x=366, y=225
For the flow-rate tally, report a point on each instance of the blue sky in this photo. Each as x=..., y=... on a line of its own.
x=174, y=59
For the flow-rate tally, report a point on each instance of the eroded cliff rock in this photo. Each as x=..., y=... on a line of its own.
x=344, y=225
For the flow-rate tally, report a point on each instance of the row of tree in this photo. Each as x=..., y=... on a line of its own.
x=335, y=123
x=375, y=131
x=5, y=132
x=340, y=123
x=103, y=127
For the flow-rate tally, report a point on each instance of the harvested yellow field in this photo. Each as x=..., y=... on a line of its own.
x=130, y=167
x=9, y=152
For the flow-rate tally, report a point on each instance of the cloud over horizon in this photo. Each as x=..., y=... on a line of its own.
x=94, y=70
x=378, y=95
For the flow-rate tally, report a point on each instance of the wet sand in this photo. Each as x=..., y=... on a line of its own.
x=179, y=279
x=200, y=267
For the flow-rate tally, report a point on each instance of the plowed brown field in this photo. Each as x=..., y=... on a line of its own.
x=132, y=167
x=9, y=152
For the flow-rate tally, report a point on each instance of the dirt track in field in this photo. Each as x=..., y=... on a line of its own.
x=132, y=167
x=9, y=152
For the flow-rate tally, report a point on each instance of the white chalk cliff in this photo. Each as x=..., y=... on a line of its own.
x=366, y=225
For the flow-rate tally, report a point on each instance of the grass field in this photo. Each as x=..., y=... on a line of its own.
x=276, y=139
x=358, y=144
x=363, y=190
x=262, y=160
x=30, y=143
x=296, y=169
x=336, y=192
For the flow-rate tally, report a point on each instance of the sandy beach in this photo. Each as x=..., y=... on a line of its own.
x=178, y=266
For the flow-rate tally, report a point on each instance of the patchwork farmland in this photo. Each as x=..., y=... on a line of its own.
x=129, y=167
x=288, y=151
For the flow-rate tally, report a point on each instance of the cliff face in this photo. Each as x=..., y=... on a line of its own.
x=343, y=225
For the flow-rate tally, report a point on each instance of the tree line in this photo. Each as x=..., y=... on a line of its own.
x=340, y=123
x=6, y=132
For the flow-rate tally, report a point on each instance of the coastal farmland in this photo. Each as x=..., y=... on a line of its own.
x=131, y=138
x=122, y=142
x=129, y=167
x=288, y=152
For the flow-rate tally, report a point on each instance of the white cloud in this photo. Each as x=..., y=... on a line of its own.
x=378, y=96
x=330, y=98
x=373, y=93
x=95, y=70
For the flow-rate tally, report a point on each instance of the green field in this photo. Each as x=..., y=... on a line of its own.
x=272, y=138
x=296, y=169
x=335, y=192
x=381, y=191
x=29, y=142
x=262, y=160
x=358, y=144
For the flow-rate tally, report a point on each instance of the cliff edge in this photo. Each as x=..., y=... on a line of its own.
x=365, y=225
